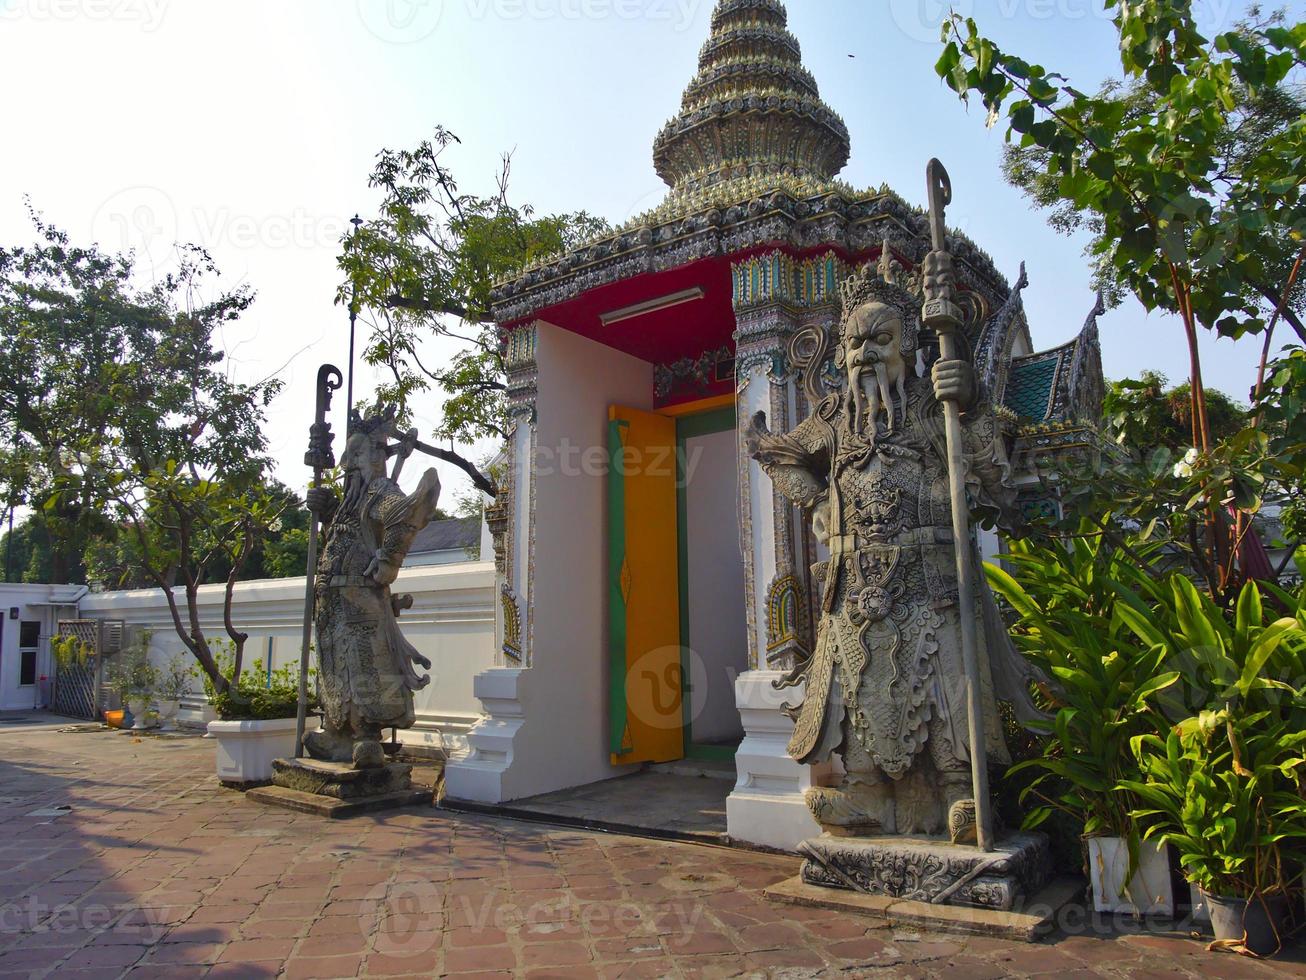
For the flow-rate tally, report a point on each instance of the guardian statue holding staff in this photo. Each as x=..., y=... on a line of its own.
x=368, y=671
x=886, y=686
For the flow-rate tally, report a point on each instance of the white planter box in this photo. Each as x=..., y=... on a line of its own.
x=246, y=748
x=1150, y=891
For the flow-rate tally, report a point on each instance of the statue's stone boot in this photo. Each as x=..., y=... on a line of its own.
x=963, y=823
x=853, y=810
x=326, y=746
x=368, y=754
x=963, y=816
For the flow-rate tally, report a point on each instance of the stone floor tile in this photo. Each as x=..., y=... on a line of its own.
x=412, y=893
x=477, y=959
x=243, y=971
x=257, y=951
x=347, y=943
x=327, y=968
x=186, y=953
x=100, y=957
x=390, y=965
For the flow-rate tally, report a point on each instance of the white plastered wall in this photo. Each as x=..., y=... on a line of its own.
x=451, y=622
x=546, y=726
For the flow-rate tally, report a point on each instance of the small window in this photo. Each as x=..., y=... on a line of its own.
x=29, y=637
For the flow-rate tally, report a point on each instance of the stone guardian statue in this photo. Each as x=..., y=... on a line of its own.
x=367, y=670
x=885, y=685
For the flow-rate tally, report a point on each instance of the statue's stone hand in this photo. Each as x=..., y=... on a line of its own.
x=954, y=381
x=757, y=430
x=321, y=502
x=381, y=571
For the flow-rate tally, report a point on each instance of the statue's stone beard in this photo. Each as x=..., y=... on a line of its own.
x=873, y=388
x=355, y=489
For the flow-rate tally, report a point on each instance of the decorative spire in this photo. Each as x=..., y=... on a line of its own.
x=752, y=110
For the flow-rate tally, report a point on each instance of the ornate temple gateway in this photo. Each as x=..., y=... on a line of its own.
x=652, y=582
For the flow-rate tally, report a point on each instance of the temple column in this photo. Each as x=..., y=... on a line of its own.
x=775, y=297
x=479, y=773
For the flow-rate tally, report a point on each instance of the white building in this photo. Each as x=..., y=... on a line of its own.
x=31, y=616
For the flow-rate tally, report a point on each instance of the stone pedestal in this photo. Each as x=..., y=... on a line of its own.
x=767, y=807
x=482, y=775
x=934, y=885
x=340, y=780
x=930, y=871
x=337, y=789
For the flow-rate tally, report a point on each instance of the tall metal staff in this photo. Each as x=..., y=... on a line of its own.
x=320, y=457
x=943, y=315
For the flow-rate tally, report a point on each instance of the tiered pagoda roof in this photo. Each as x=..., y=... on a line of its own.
x=752, y=110
x=752, y=161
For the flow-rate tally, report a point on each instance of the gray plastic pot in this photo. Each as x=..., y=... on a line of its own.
x=1259, y=923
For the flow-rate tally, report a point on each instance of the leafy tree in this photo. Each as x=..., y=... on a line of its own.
x=1188, y=175
x=1146, y=411
x=281, y=551
x=1258, y=118
x=29, y=552
x=125, y=421
x=1177, y=220
x=88, y=359
x=423, y=269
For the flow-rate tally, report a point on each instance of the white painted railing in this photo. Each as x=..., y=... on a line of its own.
x=451, y=622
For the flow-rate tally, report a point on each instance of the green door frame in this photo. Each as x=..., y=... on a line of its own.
x=690, y=427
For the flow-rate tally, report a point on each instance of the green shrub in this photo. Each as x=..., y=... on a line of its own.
x=259, y=695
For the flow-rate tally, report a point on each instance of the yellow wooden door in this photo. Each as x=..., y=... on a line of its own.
x=646, y=700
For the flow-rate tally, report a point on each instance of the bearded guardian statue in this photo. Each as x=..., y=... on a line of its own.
x=367, y=670
x=885, y=685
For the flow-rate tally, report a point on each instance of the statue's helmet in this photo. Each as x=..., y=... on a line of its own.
x=368, y=438
x=864, y=289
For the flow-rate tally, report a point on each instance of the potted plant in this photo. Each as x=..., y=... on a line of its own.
x=1225, y=786
x=256, y=722
x=69, y=651
x=174, y=684
x=1106, y=684
x=133, y=678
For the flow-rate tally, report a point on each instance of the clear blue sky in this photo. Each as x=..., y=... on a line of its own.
x=249, y=126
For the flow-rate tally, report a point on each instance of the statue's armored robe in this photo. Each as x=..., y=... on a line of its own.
x=886, y=681
x=367, y=675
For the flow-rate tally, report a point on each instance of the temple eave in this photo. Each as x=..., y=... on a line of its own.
x=850, y=224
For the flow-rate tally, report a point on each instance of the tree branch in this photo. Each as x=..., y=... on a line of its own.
x=482, y=482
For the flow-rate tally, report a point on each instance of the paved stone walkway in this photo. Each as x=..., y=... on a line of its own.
x=157, y=871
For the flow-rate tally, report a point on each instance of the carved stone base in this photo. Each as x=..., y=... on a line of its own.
x=339, y=780
x=930, y=871
x=334, y=809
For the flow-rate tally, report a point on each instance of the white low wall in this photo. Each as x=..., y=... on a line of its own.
x=451, y=622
